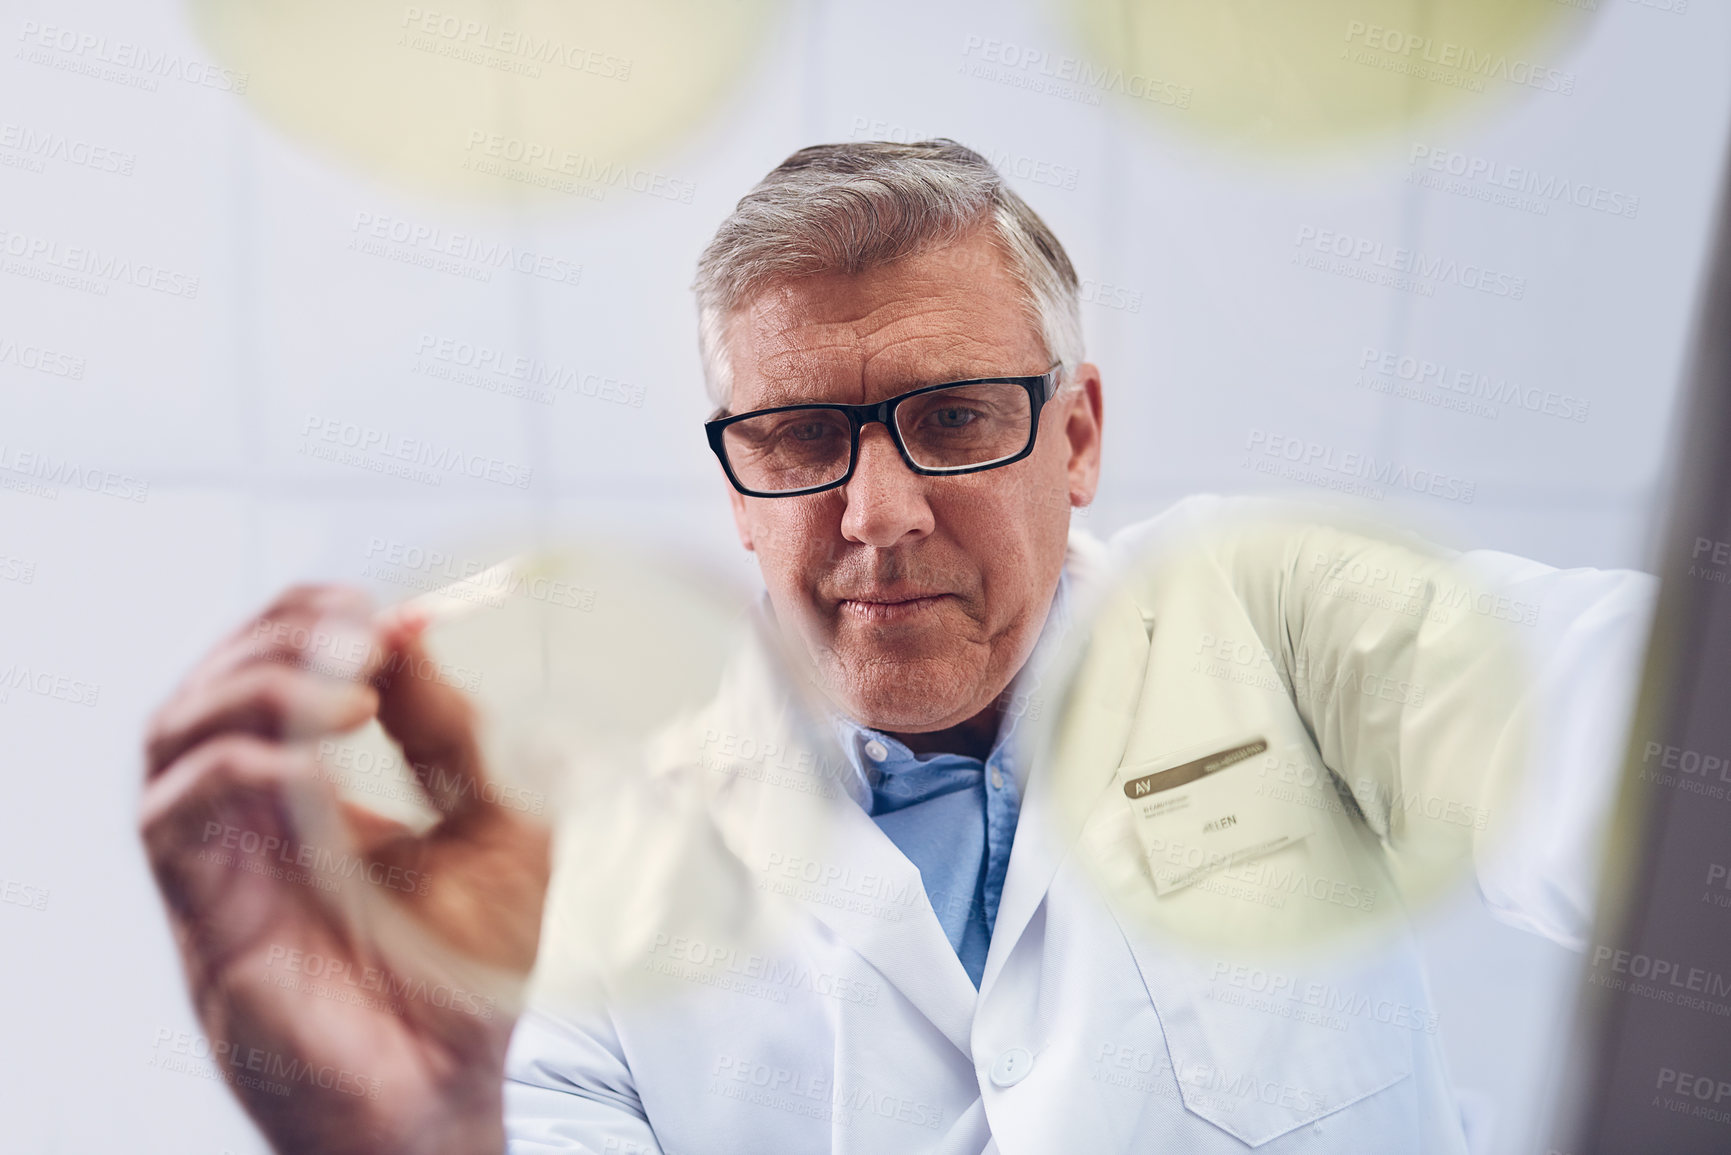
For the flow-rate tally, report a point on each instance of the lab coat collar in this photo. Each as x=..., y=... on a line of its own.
x=1085, y=736
x=791, y=828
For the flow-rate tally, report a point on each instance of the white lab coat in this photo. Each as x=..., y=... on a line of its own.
x=753, y=966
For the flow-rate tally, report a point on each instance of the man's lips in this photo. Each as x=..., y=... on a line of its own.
x=890, y=607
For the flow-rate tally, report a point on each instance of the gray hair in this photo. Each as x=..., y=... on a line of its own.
x=856, y=206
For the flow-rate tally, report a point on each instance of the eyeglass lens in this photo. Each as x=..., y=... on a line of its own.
x=956, y=428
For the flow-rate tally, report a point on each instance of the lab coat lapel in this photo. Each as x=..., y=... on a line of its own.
x=806, y=837
x=1088, y=738
x=893, y=927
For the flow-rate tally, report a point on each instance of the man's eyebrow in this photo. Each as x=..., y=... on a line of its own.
x=804, y=394
x=950, y=374
x=788, y=395
x=775, y=399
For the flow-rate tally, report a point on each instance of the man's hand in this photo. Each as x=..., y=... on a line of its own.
x=356, y=980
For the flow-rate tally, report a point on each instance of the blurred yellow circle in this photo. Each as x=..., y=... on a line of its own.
x=1284, y=77
x=491, y=99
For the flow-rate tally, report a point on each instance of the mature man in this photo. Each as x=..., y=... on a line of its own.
x=1164, y=927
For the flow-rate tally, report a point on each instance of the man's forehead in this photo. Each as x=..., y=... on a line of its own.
x=837, y=361
x=867, y=336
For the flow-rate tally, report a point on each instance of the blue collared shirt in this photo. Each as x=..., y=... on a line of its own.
x=952, y=815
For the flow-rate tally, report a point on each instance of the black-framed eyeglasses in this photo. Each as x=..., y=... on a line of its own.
x=956, y=427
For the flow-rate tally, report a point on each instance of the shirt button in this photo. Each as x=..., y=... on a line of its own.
x=876, y=750
x=997, y=778
x=1012, y=1067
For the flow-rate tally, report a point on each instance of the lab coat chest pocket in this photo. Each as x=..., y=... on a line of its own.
x=1261, y=1045
x=1260, y=1050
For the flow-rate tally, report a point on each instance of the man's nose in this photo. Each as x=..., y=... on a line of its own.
x=886, y=501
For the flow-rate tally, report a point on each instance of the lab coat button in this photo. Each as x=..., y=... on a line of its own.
x=1012, y=1067
x=876, y=750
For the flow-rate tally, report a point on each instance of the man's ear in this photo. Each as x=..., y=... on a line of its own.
x=737, y=501
x=1082, y=431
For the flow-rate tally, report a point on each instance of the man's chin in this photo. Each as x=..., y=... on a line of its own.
x=907, y=697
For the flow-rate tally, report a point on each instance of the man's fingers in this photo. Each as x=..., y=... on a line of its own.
x=267, y=700
x=299, y=607
x=208, y=818
x=306, y=626
x=434, y=723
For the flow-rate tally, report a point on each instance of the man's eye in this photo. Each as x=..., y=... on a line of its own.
x=809, y=431
x=953, y=417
